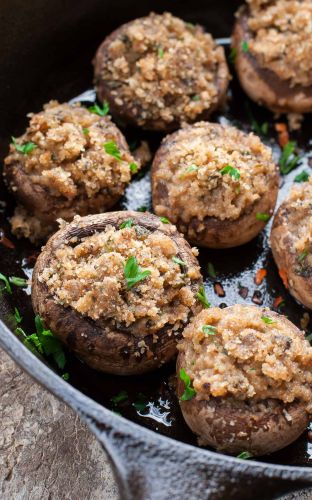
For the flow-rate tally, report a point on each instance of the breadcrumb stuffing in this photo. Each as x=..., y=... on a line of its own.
x=88, y=275
x=246, y=357
x=160, y=67
x=191, y=164
x=281, y=38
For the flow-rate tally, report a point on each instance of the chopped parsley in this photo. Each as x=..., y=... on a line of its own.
x=17, y=316
x=45, y=343
x=209, y=330
x=85, y=130
x=160, y=52
x=202, y=297
x=142, y=209
x=21, y=282
x=126, y=223
x=26, y=148
x=164, y=220
x=133, y=168
x=65, y=376
x=302, y=255
x=141, y=403
x=112, y=149
x=245, y=46
x=302, y=177
x=6, y=282
x=244, y=455
x=133, y=273
x=189, y=391
x=178, y=261
x=195, y=97
x=260, y=129
x=120, y=397
x=288, y=159
x=267, y=320
x=309, y=337
x=262, y=216
x=233, y=54
x=101, y=111
x=231, y=171
x=192, y=168
x=211, y=270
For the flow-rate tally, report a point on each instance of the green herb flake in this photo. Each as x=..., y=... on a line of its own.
x=133, y=273
x=6, y=282
x=21, y=282
x=85, y=130
x=133, y=168
x=302, y=256
x=101, y=111
x=309, y=337
x=164, y=220
x=202, y=297
x=288, y=159
x=211, y=270
x=26, y=148
x=231, y=171
x=189, y=391
x=127, y=223
x=233, y=55
x=120, y=397
x=195, y=97
x=263, y=217
x=209, y=330
x=160, y=52
x=142, y=209
x=17, y=316
x=260, y=128
x=245, y=46
x=45, y=343
x=65, y=376
x=267, y=320
x=178, y=261
x=302, y=177
x=244, y=455
x=141, y=403
x=112, y=149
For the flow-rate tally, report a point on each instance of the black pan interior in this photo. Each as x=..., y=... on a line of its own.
x=46, y=54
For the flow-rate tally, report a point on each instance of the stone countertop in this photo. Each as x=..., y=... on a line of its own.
x=46, y=452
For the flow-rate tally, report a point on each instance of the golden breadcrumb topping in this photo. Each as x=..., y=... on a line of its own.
x=248, y=353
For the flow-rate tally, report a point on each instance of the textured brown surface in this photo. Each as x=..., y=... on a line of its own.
x=45, y=450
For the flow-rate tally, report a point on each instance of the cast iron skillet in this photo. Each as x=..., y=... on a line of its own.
x=46, y=49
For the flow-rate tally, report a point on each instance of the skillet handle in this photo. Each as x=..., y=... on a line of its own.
x=151, y=467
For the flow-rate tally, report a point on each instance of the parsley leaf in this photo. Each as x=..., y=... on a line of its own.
x=263, y=217
x=188, y=170
x=164, y=220
x=233, y=54
x=260, y=129
x=202, y=297
x=45, y=343
x=133, y=168
x=160, y=52
x=195, y=97
x=231, y=171
x=302, y=177
x=142, y=209
x=178, y=261
x=209, y=330
x=85, y=130
x=302, y=256
x=309, y=337
x=101, y=111
x=26, y=148
x=288, y=160
x=21, y=282
x=244, y=455
x=126, y=223
x=5, y=280
x=267, y=320
x=65, y=376
x=245, y=46
x=120, y=397
x=141, y=403
x=189, y=391
x=112, y=149
x=17, y=316
x=133, y=273
x=211, y=270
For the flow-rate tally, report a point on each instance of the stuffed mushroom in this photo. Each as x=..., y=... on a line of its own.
x=216, y=183
x=117, y=289
x=157, y=72
x=273, y=46
x=69, y=161
x=245, y=379
x=291, y=242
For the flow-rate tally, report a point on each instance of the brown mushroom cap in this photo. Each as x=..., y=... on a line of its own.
x=100, y=343
x=295, y=264
x=54, y=180
x=261, y=84
x=164, y=99
x=232, y=425
x=209, y=231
